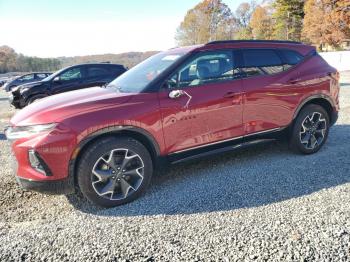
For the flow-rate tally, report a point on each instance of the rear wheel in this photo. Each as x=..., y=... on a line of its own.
x=310, y=130
x=114, y=171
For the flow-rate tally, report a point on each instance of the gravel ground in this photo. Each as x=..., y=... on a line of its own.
x=263, y=203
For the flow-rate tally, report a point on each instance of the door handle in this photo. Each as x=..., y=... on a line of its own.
x=231, y=94
x=293, y=81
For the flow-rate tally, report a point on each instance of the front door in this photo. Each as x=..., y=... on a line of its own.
x=69, y=80
x=202, y=102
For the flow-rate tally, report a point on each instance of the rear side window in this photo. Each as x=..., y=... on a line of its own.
x=41, y=76
x=117, y=70
x=291, y=57
x=96, y=71
x=261, y=62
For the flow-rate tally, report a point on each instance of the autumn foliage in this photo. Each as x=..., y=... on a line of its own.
x=320, y=22
x=326, y=21
x=209, y=20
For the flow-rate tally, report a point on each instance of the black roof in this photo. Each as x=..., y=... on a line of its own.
x=253, y=41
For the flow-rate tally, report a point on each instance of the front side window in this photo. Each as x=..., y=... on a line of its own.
x=71, y=74
x=261, y=62
x=205, y=68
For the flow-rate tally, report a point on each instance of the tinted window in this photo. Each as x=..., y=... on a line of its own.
x=71, y=74
x=208, y=67
x=27, y=77
x=117, y=70
x=97, y=71
x=291, y=57
x=41, y=76
x=261, y=62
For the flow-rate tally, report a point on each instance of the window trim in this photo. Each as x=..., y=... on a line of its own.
x=191, y=56
x=277, y=50
x=280, y=51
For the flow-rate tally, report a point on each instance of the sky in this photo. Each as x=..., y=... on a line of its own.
x=54, y=28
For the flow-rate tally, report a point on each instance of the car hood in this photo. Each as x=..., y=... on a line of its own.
x=28, y=85
x=58, y=107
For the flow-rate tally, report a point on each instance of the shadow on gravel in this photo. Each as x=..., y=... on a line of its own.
x=254, y=177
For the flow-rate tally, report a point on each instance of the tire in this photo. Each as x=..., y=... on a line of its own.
x=103, y=178
x=310, y=130
x=36, y=98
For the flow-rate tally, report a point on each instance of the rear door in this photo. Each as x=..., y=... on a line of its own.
x=271, y=89
x=201, y=103
x=98, y=75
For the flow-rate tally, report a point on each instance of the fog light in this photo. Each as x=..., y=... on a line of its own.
x=35, y=162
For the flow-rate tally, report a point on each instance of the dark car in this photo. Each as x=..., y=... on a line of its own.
x=24, y=79
x=3, y=81
x=175, y=106
x=67, y=79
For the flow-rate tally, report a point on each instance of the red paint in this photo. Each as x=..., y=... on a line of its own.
x=216, y=112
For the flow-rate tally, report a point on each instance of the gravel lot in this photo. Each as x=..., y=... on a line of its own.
x=263, y=203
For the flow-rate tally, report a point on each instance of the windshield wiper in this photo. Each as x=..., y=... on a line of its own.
x=117, y=88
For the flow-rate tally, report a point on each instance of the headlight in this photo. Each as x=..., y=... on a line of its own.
x=13, y=133
x=22, y=90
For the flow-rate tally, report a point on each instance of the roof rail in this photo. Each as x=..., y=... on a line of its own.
x=253, y=41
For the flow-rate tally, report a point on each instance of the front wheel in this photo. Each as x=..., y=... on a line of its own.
x=114, y=171
x=35, y=99
x=310, y=130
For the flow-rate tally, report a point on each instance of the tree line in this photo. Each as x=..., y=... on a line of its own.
x=10, y=61
x=318, y=22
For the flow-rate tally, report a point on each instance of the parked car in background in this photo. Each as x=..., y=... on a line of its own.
x=3, y=80
x=24, y=79
x=67, y=79
x=175, y=106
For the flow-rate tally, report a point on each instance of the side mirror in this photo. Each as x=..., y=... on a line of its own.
x=57, y=79
x=175, y=94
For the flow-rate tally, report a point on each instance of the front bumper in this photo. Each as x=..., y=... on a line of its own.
x=54, y=151
x=60, y=187
x=15, y=101
x=52, y=187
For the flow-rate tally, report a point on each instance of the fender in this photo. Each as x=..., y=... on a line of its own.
x=116, y=129
x=111, y=130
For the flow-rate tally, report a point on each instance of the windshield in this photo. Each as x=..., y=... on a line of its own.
x=136, y=79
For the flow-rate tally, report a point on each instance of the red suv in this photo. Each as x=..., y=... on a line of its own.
x=177, y=105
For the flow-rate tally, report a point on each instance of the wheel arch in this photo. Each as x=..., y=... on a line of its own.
x=321, y=100
x=34, y=95
x=137, y=133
